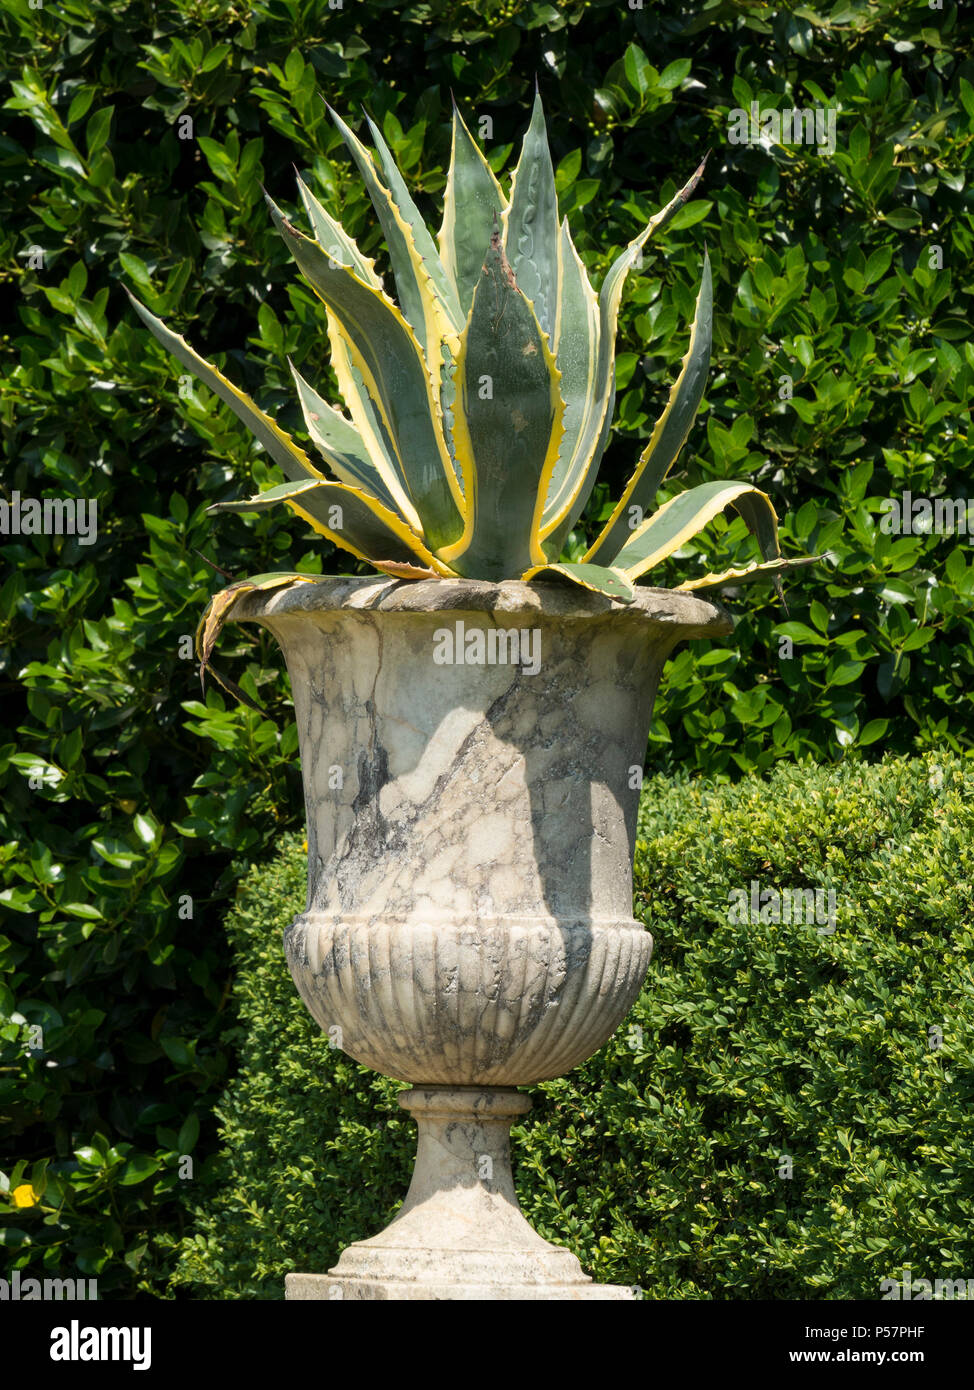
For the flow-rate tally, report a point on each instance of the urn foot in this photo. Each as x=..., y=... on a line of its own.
x=460, y=1233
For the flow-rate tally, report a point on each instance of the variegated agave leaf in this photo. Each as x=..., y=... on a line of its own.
x=479, y=405
x=220, y=608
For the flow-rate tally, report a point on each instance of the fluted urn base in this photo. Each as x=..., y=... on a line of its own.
x=460, y=1233
x=488, y=1003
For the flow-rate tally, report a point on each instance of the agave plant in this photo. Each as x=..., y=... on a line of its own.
x=480, y=405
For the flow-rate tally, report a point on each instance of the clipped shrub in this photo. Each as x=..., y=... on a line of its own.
x=785, y=1114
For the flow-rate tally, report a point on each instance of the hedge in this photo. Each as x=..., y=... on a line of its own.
x=124, y=793
x=786, y=1113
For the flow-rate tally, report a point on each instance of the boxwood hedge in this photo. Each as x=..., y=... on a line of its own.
x=787, y=1112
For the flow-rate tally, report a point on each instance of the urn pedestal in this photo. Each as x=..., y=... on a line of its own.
x=471, y=755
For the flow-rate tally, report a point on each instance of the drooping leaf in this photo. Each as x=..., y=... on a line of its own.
x=218, y=611
x=760, y=569
x=685, y=516
x=613, y=583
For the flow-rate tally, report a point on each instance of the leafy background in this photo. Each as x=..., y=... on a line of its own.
x=130, y=803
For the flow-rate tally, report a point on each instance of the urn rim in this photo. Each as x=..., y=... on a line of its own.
x=666, y=608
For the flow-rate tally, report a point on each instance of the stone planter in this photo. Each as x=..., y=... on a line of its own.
x=471, y=807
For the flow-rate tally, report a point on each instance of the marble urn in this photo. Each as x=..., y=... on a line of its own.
x=471, y=755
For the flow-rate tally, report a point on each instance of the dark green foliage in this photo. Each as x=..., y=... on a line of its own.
x=317, y=1152
x=123, y=794
x=657, y=1162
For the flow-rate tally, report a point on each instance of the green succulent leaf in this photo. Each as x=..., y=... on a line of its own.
x=369, y=420
x=576, y=348
x=424, y=241
x=760, y=569
x=280, y=446
x=341, y=446
x=334, y=240
x=685, y=516
x=346, y=515
x=579, y=481
x=531, y=239
x=670, y=431
x=424, y=307
x=473, y=206
x=507, y=427
x=383, y=347
x=613, y=583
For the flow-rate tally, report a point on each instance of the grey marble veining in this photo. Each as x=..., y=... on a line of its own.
x=470, y=826
x=471, y=756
